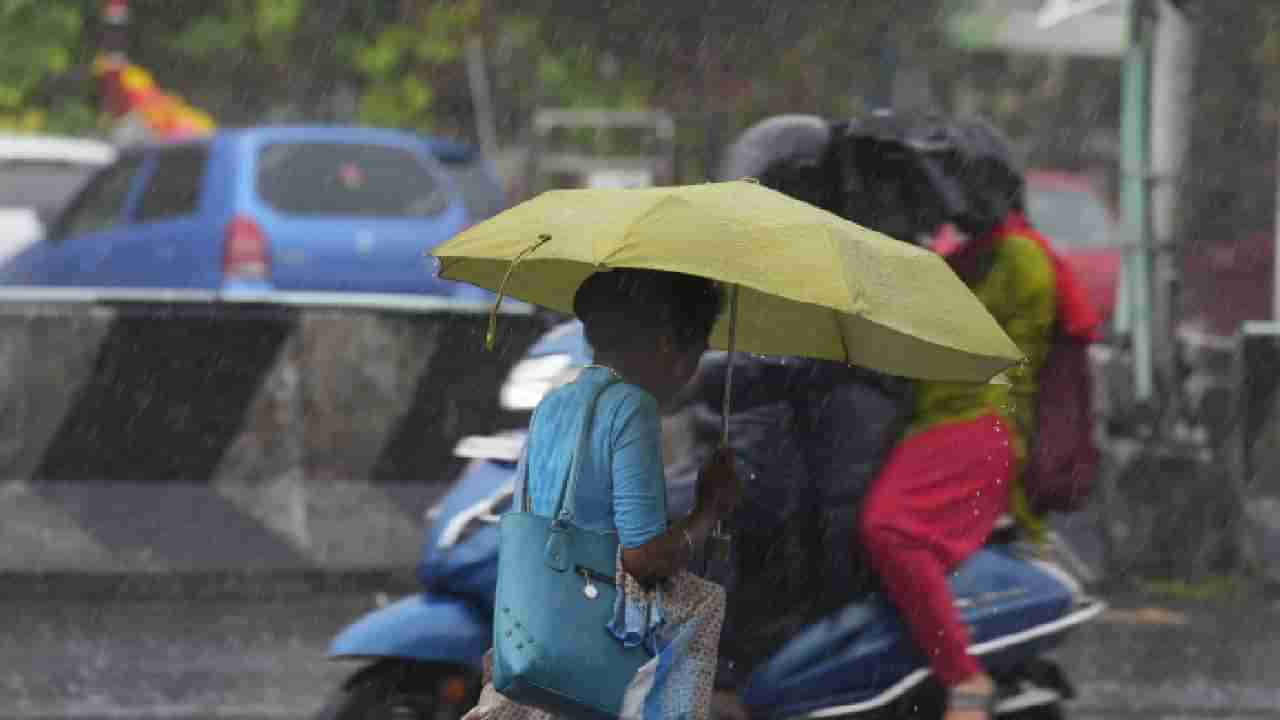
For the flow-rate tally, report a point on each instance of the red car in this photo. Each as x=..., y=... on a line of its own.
x=1224, y=283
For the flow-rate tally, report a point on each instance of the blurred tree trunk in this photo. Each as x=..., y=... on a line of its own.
x=316, y=94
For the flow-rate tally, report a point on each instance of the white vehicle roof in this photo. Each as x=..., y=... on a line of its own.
x=55, y=148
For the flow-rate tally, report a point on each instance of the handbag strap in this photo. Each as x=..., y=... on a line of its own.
x=561, y=514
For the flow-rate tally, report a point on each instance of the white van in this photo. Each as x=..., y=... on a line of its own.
x=38, y=176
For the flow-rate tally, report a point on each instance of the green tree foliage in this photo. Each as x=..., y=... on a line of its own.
x=42, y=76
x=717, y=64
x=407, y=61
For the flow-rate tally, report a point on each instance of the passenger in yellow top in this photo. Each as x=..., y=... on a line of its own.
x=1014, y=278
x=953, y=472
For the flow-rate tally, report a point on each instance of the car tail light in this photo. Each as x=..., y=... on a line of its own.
x=245, y=252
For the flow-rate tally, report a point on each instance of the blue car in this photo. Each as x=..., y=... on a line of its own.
x=474, y=175
x=329, y=209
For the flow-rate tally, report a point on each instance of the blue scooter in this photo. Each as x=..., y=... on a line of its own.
x=422, y=654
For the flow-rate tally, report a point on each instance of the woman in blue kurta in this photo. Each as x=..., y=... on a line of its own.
x=648, y=330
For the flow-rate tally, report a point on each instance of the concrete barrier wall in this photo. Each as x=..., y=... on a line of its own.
x=1258, y=444
x=162, y=437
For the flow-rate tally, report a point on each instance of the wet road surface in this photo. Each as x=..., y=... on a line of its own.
x=229, y=658
x=223, y=659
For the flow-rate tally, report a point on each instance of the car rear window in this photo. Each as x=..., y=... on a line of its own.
x=344, y=179
x=173, y=189
x=100, y=205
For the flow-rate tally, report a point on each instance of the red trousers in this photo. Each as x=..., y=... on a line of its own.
x=934, y=504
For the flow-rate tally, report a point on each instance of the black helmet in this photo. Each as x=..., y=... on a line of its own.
x=983, y=165
x=893, y=171
x=789, y=153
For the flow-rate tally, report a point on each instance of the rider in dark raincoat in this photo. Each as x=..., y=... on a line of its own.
x=810, y=435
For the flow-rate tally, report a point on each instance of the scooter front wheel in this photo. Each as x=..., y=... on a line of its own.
x=403, y=690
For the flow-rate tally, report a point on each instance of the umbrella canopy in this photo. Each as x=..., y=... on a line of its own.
x=809, y=282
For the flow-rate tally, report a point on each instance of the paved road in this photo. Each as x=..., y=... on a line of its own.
x=260, y=658
x=236, y=658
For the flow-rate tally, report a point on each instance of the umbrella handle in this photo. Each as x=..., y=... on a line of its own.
x=491, y=334
x=720, y=535
x=728, y=376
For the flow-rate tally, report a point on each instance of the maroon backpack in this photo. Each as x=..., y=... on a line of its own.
x=1063, y=467
x=1063, y=463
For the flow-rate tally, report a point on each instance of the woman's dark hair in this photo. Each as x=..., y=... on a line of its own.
x=625, y=308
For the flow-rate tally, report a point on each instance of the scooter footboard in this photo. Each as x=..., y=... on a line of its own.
x=1013, y=608
x=419, y=627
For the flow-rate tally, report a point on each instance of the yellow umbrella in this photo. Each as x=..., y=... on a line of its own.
x=803, y=282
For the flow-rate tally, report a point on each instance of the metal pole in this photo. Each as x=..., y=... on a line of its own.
x=1173, y=63
x=1134, y=201
x=481, y=99
x=115, y=27
x=883, y=93
x=1275, y=273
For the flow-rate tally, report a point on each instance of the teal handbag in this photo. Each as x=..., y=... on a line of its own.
x=551, y=647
